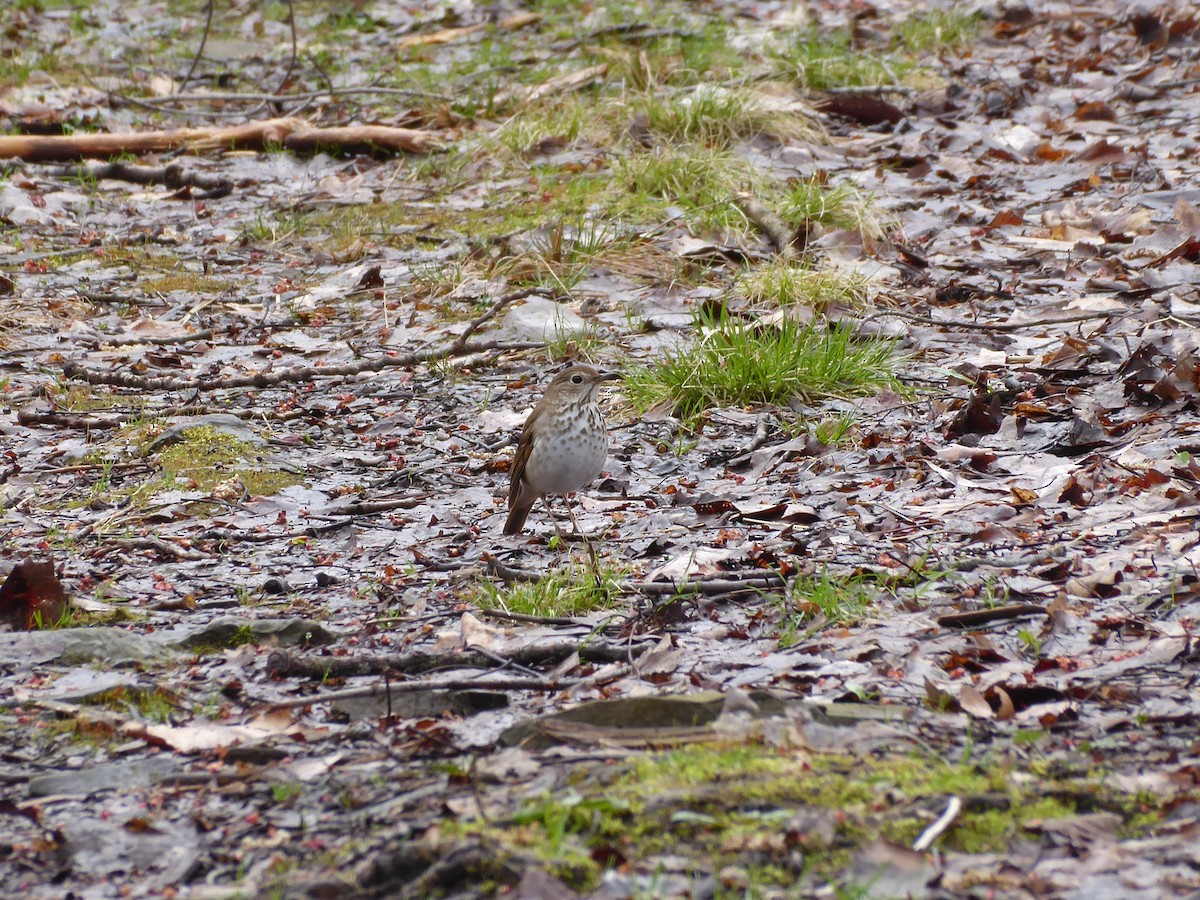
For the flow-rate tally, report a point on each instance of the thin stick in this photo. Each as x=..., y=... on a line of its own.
x=203, y=41
x=934, y=831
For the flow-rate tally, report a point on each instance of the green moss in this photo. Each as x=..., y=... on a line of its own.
x=208, y=456
x=718, y=803
x=151, y=705
x=230, y=638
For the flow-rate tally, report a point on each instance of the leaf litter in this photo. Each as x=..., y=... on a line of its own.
x=257, y=439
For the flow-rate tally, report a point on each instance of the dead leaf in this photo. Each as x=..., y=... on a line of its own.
x=32, y=596
x=1006, y=710
x=972, y=701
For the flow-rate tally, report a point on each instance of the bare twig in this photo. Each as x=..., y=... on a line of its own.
x=461, y=341
x=134, y=340
x=985, y=326
x=767, y=222
x=208, y=13
x=978, y=617
x=292, y=58
x=934, y=831
x=74, y=370
x=482, y=683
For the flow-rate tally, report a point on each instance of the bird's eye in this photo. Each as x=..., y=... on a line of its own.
x=576, y=378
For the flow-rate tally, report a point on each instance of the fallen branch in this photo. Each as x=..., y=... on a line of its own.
x=134, y=340
x=36, y=415
x=203, y=186
x=374, y=507
x=460, y=346
x=982, y=616
x=294, y=134
x=481, y=683
x=767, y=222
x=282, y=664
x=79, y=372
x=362, y=139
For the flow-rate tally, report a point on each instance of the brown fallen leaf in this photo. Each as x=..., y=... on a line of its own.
x=1006, y=710
x=32, y=597
x=973, y=702
x=861, y=108
x=449, y=35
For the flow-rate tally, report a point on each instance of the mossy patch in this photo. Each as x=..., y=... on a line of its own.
x=208, y=456
x=192, y=282
x=752, y=806
x=150, y=705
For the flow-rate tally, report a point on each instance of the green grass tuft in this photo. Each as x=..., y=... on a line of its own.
x=714, y=116
x=784, y=282
x=939, y=29
x=569, y=590
x=736, y=364
x=838, y=600
x=700, y=181
x=837, y=206
x=819, y=60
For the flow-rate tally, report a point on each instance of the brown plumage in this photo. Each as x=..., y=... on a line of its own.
x=563, y=445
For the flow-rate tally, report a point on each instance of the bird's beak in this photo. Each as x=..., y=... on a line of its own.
x=609, y=376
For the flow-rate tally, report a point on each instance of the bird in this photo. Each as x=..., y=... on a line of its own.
x=562, y=446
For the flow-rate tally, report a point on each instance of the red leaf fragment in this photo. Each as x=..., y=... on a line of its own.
x=1102, y=153
x=1004, y=217
x=1095, y=111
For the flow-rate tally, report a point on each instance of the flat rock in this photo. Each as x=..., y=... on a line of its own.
x=80, y=646
x=117, y=776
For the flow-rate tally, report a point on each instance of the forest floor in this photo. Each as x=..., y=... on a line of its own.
x=888, y=583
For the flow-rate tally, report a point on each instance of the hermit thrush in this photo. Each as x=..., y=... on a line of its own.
x=563, y=445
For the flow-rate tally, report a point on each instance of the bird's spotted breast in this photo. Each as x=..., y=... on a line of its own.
x=565, y=460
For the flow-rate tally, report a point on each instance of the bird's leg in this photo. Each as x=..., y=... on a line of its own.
x=571, y=513
x=553, y=518
x=587, y=545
